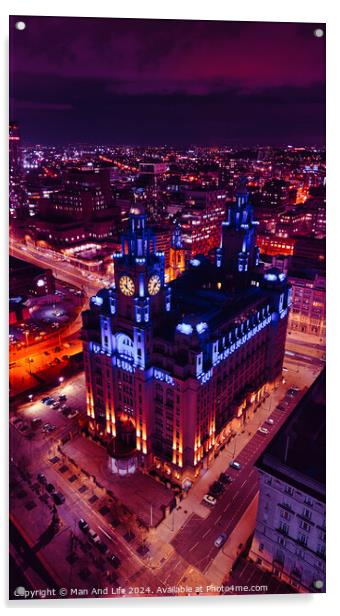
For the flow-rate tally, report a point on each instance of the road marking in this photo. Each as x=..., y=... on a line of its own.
x=245, y=481
x=194, y=546
x=206, y=532
x=216, y=521
x=105, y=533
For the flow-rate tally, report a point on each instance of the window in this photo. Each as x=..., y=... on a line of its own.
x=302, y=539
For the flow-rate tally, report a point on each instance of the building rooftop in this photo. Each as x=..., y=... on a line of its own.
x=297, y=454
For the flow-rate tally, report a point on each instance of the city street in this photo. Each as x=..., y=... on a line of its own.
x=175, y=549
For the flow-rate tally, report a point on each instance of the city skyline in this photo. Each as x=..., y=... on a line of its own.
x=167, y=308
x=176, y=82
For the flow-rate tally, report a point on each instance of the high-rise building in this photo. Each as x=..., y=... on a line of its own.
x=86, y=195
x=201, y=221
x=17, y=195
x=290, y=534
x=185, y=363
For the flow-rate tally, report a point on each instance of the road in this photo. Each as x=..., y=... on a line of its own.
x=231, y=505
x=60, y=268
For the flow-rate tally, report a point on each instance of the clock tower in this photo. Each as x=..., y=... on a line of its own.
x=141, y=293
x=124, y=316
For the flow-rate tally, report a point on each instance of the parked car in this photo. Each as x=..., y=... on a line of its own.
x=210, y=500
x=102, y=547
x=114, y=560
x=93, y=536
x=41, y=478
x=56, y=405
x=16, y=421
x=35, y=422
x=44, y=399
x=73, y=414
x=292, y=392
x=221, y=539
x=270, y=421
x=235, y=465
x=62, y=397
x=59, y=498
x=23, y=427
x=224, y=478
x=50, y=488
x=50, y=401
x=216, y=488
x=83, y=525
x=263, y=430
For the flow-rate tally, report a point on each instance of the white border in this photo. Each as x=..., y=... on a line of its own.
x=247, y=10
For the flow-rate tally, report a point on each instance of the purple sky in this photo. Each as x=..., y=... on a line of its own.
x=166, y=81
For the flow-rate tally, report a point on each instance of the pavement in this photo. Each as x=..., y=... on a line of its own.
x=145, y=497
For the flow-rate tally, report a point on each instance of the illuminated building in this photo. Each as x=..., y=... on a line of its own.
x=17, y=195
x=186, y=362
x=177, y=255
x=275, y=194
x=274, y=245
x=304, y=220
x=201, y=222
x=308, y=313
x=290, y=533
x=86, y=195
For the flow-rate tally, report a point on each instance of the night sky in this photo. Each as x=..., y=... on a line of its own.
x=150, y=82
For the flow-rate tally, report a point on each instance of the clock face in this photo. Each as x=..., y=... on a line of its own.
x=126, y=285
x=154, y=284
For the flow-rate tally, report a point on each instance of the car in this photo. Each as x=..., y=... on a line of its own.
x=292, y=391
x=51, y=428
x=56, y=405
x=41, y=478
x=16, y=421
x=235, y=465
x=210, y=500
x=62, y=397
x=36, y=421
x=44, y=399
x=102, y=547
x=59, y=498
x=46, y=352
x=93, y=536
x=263, y=430
x=72, y=414
x=83, y=525
x=57, y=360
x=216, y=488
x=269, y=421
x=281, y=407
x=114, y=560
x=224, y=478
x=50, y=401
x=23, y=427
x=50, y=488
x=221, y=539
